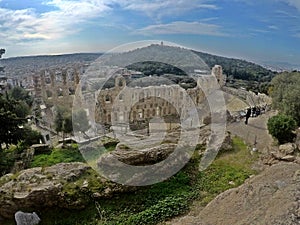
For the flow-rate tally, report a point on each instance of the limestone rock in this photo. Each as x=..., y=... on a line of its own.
x=36, y=187
x=227, y=143
x=289, y=158
x=142, y=157
x=121, y=147
x=287, y=149
x=266, y=199
x=207, y=120
x=117, y=164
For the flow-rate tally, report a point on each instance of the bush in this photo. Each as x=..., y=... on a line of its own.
x=167, y=208
x=285, y=92
x=281, y=127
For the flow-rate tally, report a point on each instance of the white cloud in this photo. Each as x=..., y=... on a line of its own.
x=32, y=29
x=293, y=3
x=273, y=27
x=181, y=27
x=161, y=8
x=297, y=35
x=259, y=31
x=68, y=15
x=27, y=24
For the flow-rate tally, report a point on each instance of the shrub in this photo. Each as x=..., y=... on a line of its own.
x=167, y=208
x=281, y=127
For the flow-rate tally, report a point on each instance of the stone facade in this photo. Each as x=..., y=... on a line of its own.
x=217, y=71
x=56, y=86
x=123, y=104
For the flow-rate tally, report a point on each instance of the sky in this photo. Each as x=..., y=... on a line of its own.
x=265, y=30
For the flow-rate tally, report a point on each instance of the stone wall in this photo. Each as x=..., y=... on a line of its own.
x=56, y=86
x=122, y=104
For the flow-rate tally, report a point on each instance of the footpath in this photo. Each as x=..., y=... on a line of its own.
x=255, y=134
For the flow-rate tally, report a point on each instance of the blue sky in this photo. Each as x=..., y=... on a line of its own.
x=265, y=30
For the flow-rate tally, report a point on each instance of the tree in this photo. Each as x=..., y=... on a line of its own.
x=80, y=121
x=11, y=131
x=63, y=121
x=281, y=127
x=30, y=136
x=20, y=94
x=285, y=91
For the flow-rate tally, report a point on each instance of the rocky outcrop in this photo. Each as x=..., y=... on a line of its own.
x=36, y=187
x=145, y=156
x=65, y=185
x=287, y=149
x=227, y=143
x=273, y=197
x=288, y=152
x=142, y=167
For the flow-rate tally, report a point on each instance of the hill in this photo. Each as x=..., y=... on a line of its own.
x=241, y=73
x=27, y=65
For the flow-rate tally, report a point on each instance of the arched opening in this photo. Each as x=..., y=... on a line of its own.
x=107, y=98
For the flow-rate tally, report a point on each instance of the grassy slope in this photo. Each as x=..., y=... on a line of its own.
x=159, y=202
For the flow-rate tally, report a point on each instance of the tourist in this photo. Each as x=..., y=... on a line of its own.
x=248, y=114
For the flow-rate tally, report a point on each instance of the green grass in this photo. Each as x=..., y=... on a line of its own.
x=153, y=204
x=58, y=155
x=165, y=200
x=229, y=170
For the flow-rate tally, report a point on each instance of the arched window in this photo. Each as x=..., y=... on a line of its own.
x=120, y=83
x=141, y=97
x=107, y=98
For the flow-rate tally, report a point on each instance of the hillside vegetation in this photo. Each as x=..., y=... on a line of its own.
x=241, y=73
x=155, y=203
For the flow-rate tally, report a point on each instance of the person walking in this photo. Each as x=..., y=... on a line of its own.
x=248, y=114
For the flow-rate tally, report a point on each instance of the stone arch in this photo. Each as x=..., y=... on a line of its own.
x=158, y=111
x=142, y=97
x=109, y=118
x=141, y=114
x=134, y=114
x=107, y=98
x=121, y=97
x=120, y=82
x=153, y=112
x=148, y=113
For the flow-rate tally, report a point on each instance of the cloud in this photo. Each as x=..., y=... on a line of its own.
x=259, y=31
x=161, y=8
x=273, y=27
x=182, y=27
x=28, y=24
x=293, y=3
x=68, y=16
x=16, y=23
x=297, y=35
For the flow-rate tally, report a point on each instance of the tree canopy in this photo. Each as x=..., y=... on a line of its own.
x=80, y=121
x=281, y=127
x=12, y=120
x=285, y=91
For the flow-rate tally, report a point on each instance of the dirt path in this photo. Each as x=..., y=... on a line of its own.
x=255, y=131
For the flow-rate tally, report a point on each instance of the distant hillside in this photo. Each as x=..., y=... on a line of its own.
x=27, y=65
x=239, y=69
x=239, y=72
